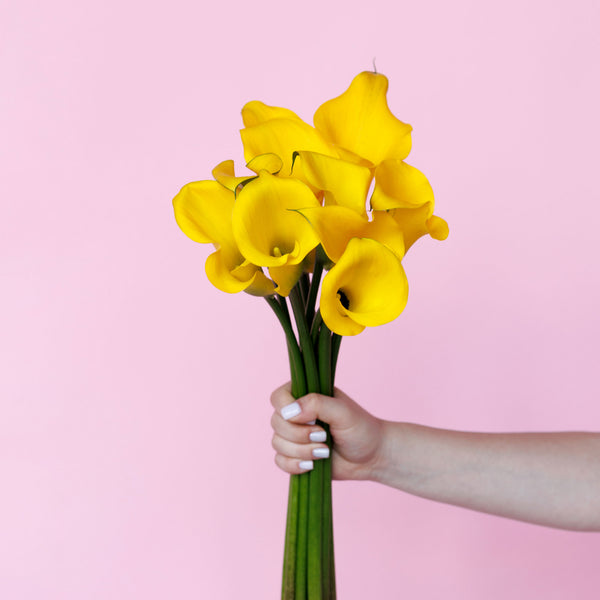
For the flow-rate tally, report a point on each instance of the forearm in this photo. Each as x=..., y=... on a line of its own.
x=551, y=479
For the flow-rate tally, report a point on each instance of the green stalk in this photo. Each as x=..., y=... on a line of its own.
x=315, y=328
x=326, y=382
x=308, y=353
x=336, y=342
x=304, y=285
x=296, y=363
x=314, y=285
x=302, y=538
x=294, y=572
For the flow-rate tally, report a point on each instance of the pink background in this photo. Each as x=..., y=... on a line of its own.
x=135, y=457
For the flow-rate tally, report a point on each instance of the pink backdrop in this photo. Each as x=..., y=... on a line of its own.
x=135, y=454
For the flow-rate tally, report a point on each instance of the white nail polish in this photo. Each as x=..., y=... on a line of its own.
x=321, y=452
x=306, y=465
x=313, y=422
x=291, y=410
x=317, y=436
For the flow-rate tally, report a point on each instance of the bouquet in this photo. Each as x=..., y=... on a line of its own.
x=318, y=227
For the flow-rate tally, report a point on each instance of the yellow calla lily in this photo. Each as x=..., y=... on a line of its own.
x=361, y=122
x=266, y=162
x=256, y=112
x=334, y=226
x=366, y=288
x=224, y=173
x=400, y=185
x=203, y=211
x=266, y=226
x=337, y=225
x=283, y=137
x=343, y=183
x=405, y=192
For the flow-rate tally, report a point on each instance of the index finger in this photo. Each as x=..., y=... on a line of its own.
x=282, y=396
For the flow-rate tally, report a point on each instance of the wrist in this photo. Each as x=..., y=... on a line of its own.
x=384, y=457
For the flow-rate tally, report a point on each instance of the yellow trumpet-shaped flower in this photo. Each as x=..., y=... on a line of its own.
x=268, y=229
x=224, y=172
x=405, y=192
x=337, y=225
x=366, y=288
x=361, y=122
x=270, y=129
x=343, y=183
x=203, y=211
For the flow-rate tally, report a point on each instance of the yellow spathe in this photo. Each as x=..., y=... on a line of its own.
x=203, y=211
x=267, y=227
x=366, y=288
x=361, y=122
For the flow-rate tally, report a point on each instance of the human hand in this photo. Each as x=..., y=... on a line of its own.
x=357, y=435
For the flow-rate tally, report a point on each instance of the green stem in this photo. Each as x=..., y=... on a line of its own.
x=308, y=353
x=296, y=363
x=314, y=285
x=336, y=342
x=325, y=362
x=304, y=284
x=315, y=327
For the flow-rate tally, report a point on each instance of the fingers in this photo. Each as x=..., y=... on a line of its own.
x=298, y=433
x=297, y=440
x=297, y=458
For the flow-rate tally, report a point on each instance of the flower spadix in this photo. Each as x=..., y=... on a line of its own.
x=203, y=211
x=366, y=288
x=360, y=121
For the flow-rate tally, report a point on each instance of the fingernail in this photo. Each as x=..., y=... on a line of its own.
x=306, y=465
x=317, y=436
x=313, y=422
x=321, y=452
x=291, y=410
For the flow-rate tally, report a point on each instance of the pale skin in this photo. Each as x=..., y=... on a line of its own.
x=550, y=479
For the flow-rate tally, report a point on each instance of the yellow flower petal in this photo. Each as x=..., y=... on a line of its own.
x=405, y=192
x=360, y=121
x=266, y=162
x=335, y=226
x=367, y=287
x=282, y=137
x=412, y=222
x=256, y=112
x=224, y=173
x=438, y=228
x=400, y=185
x=344, y=183
x=203, y=212
x=225, y=272
x=286, y=277
x=385, y=230
x=268, y=230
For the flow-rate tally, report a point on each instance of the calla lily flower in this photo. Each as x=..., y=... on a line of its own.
x=337, y=225
x=357, y=126
x=283, y=137
x=203, y=212
x=405, y=192
x=268, y=229
x=343, y=183
x=224, y=172
x=360, y=121
x=366, y=288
